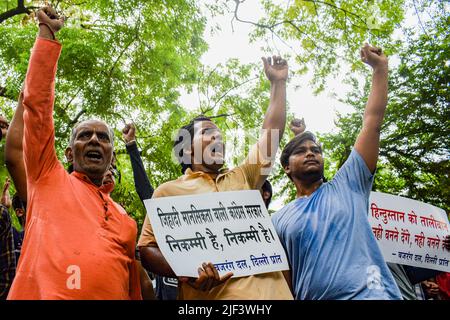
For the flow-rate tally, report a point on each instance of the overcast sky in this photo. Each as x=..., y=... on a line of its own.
x=318, y=111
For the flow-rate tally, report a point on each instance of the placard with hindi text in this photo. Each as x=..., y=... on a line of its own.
x=409, y=232
x=233, y=230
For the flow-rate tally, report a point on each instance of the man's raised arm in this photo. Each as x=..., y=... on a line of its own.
x=141, y=182
x=276, y=70
x=38, y=99
x=368, y=142
x=14, y=151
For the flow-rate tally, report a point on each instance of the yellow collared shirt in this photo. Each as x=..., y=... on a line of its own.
x=248, y=176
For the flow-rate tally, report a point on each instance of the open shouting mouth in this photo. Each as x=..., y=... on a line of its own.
x=94, y=156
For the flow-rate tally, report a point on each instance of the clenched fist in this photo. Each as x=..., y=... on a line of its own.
x=297, y=126
x=129, y=133
x=374, y=57
x=49, y=22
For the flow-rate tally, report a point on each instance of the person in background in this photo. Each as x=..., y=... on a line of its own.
x=20, y=209
x=431, y=289
x=434, y=284
x=297, y=126
x=8, y=260
x=166, y=287
x=11, y=239
x=443, y=281
x=266, y=193
x=408, y=277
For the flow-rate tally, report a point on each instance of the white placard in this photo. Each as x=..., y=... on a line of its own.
x=233, y=230
x=409, y=232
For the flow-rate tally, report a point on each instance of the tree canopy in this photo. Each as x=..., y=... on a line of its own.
x=323, y=35
x=414, y=154
x=128, y=61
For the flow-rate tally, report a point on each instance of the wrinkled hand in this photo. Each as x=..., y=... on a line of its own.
x=297, y=126
x=6, y=199
x=4, y=125
x=275, y=68
x=446, y=242
x=129, y=133
x=208, y=278
x=374, y=57
x=49, y=16
x=431, y=287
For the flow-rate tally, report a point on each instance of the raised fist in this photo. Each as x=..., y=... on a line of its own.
x=6, y=199
x=374, y=57
x=297, y=126
x=129, y=133
x=49, y=17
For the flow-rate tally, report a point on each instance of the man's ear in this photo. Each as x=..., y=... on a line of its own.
x=69, y=154
x=287, y=170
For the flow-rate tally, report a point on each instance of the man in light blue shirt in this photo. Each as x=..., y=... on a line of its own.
x=331, y=248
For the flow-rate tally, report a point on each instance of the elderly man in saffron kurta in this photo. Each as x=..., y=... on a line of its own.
x=79, y=243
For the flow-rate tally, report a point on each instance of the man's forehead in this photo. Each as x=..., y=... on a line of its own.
x=306, y=144
x=205, y=124
x=92, y=125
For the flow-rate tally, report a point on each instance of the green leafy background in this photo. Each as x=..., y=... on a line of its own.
x=128, y=61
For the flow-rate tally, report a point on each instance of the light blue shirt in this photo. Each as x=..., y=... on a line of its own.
x=330, y=246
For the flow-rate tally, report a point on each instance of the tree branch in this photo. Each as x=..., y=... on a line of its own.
x=335, y=7
x=223, y=115
x=124, y=49
x=272, y=27
x=420, y=21
x=5, y=94
x=231, y=89
x=77, y=117
x=20, y=9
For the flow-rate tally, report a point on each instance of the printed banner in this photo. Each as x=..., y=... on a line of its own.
x=233, y=230
x=409, y=232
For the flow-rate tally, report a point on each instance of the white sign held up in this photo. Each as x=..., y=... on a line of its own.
x=409, y=232
x=233, y=230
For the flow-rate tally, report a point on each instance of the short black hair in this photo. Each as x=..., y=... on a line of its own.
x=17, y=203
x=184, y=144
x=267, y=186
x=294, y=143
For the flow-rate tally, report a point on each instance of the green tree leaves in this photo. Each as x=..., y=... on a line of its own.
x=414, y=154
x=121, y=61
x=322, y=35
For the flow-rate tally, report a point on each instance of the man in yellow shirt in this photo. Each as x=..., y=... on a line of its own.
x=200, y=151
